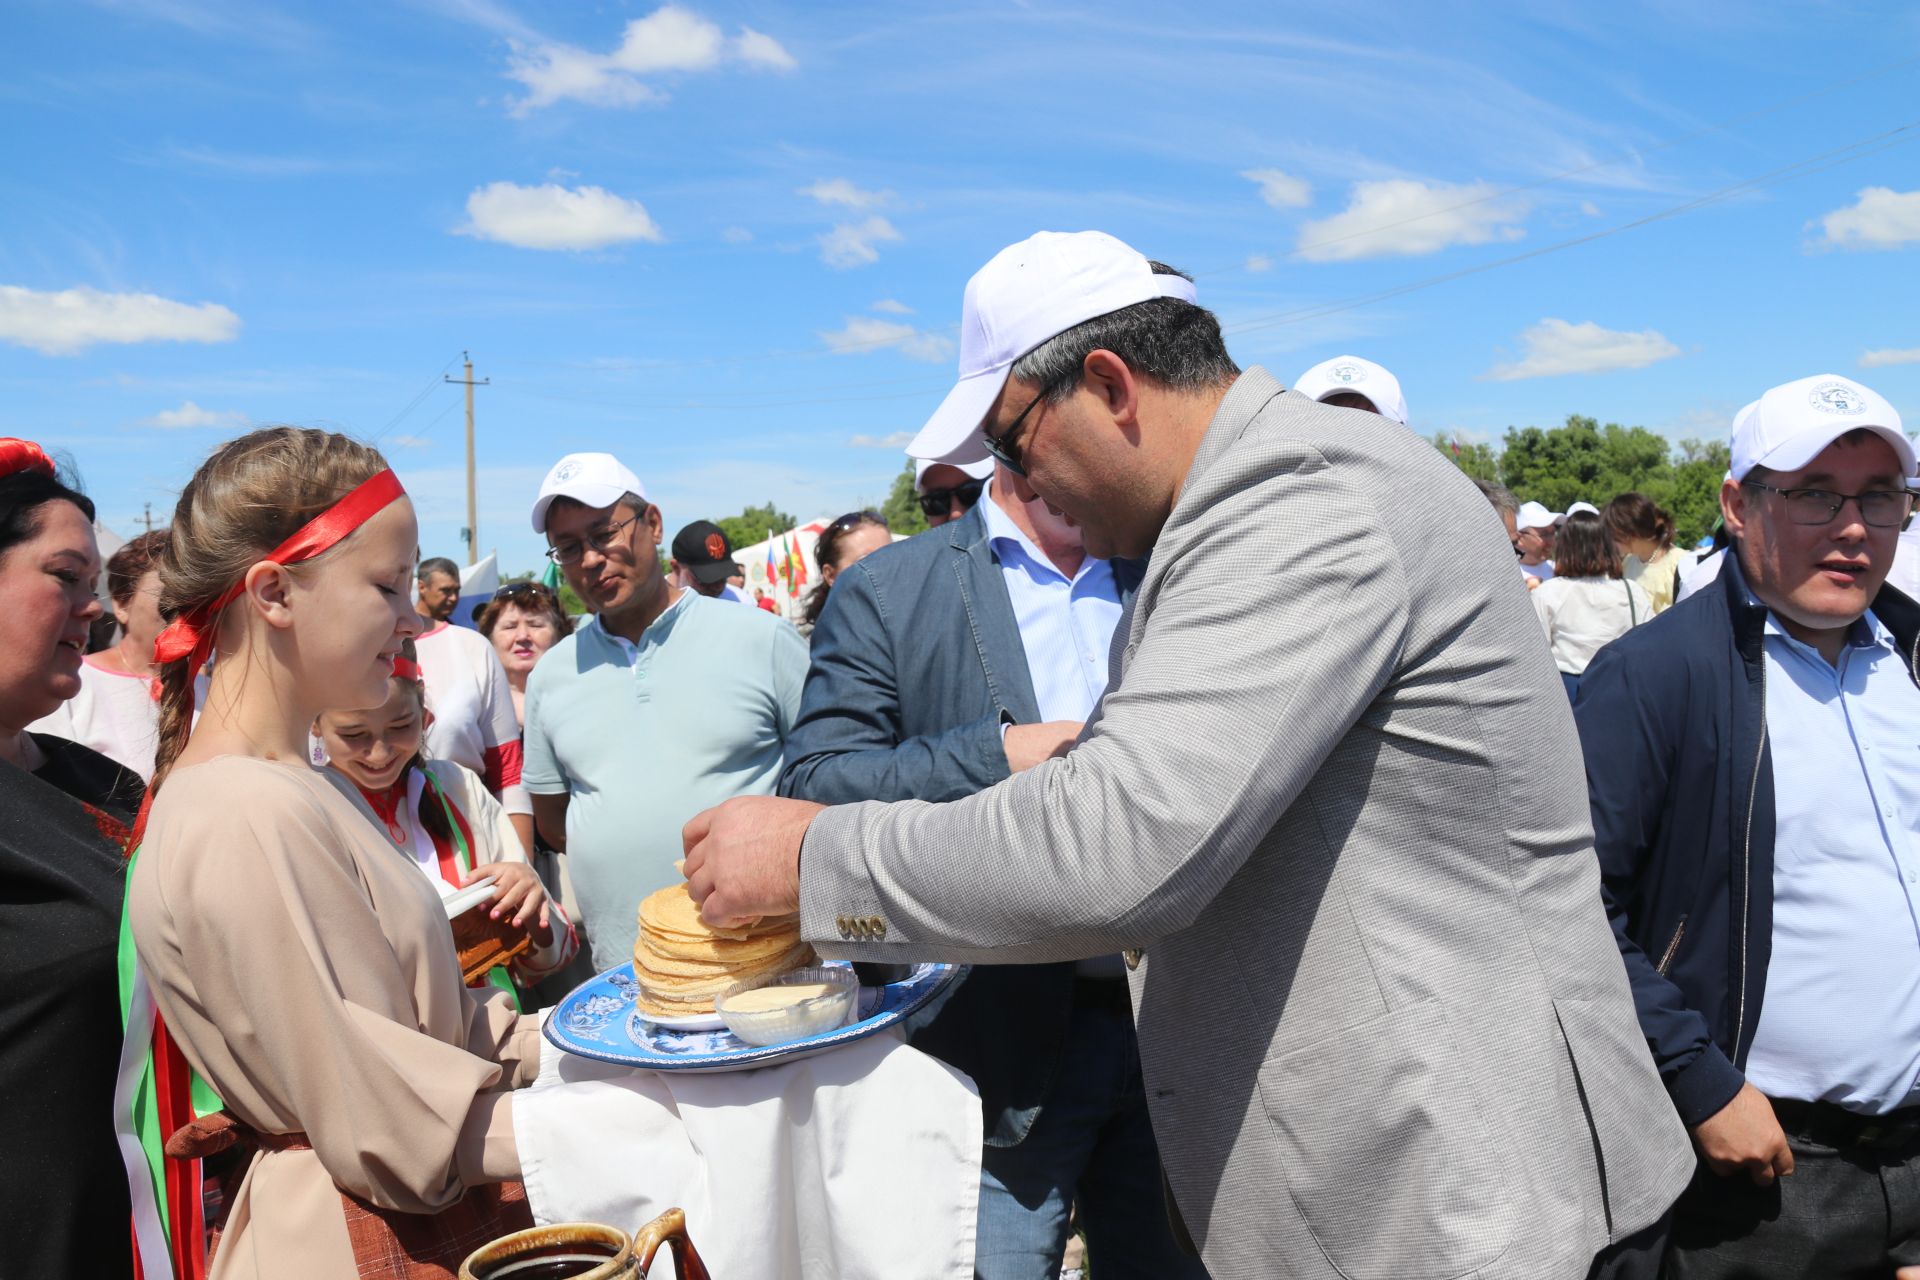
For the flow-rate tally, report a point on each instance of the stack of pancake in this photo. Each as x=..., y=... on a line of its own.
x=682, y=962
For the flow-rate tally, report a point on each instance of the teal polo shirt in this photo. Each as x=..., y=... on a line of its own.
x=643, y=736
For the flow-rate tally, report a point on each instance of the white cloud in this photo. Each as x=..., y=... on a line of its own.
x=670, y=39
x=555, y=217
x=1589, y=208
x=898, y=440
x=1884, y=356
x=736, y=235
x=842, y=192
x=757, y=48
x=864, y=334
x=851, y=244
x=893, y=308
x=1280, y=190
x=71, y=320
x=190, y=414
x=1401, y=217
x=1258, y=262
x=406, y=442
x=1554, y=348
x=1879, y=218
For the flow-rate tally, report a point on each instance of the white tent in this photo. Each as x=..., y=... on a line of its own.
x=753, y=563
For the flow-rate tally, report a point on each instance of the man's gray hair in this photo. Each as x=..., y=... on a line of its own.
x=1500, y=496
x=437, y=564
x=1170, y=340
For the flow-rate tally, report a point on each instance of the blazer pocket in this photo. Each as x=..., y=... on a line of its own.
x=1386, y=1154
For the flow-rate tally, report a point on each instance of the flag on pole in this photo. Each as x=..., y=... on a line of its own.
x=773, y=571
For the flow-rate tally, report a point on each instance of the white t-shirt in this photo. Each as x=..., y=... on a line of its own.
x=1580, y=615
x=472, y=705
x=115, y=714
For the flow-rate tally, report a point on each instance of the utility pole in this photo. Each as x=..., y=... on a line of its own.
x=473, y=506
x=148, y=517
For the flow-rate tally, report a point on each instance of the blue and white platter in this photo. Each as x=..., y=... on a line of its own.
x=598, y=1020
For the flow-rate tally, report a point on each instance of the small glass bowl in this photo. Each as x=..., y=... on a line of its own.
x=795, y=1021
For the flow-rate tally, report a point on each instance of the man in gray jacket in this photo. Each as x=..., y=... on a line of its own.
x=1383, y=1024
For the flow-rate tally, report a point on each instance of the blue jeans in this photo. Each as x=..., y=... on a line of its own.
x=1092, y=1142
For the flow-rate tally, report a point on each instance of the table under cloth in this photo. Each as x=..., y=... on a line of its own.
x=863, y=1162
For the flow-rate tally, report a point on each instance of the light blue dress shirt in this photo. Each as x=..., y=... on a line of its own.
x=1066, y=624
x=1066, y=627
x=1840, y=1021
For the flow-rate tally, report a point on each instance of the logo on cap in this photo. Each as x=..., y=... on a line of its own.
x=716, y=546
x=1836, y=397
x=566, y=471
x=1348, y=373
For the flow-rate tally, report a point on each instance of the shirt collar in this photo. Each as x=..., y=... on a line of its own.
x=1867, y=631
x=657, y=630
x=1003, y=534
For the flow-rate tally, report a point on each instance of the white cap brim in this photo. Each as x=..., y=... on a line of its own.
x=587, y=494
x=1808, y=445
x=952, y=435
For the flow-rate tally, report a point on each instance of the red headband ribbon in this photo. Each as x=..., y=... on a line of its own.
x=191, y=635
x=23, y=455
x=405, y=668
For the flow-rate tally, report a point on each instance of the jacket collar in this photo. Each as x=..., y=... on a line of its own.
x=1897, y=612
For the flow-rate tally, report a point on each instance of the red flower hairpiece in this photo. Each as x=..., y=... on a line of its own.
x=23, y=455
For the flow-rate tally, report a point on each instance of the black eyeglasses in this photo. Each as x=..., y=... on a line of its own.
x=1882, y=508
x=601, y=540
x=938, y=502
x=1005, y=447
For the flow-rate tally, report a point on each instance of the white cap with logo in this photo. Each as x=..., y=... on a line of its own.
x=590, y=479
x=1786, y=428
x=972, y=470
x=1533, y=515
x=1027, y=293
x=1354, y=376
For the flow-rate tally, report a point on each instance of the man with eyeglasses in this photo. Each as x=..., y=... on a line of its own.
x=1755, y=790
x=948, y=491
x=667, y=701
x=1341, y=843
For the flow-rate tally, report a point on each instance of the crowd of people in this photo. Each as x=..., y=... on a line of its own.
x=1328, y=936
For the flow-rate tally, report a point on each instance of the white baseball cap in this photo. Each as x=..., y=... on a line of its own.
x=1581, y=506
x=1533, y=515
x=590, y=479
x=1355, y=376
x=1786, y=428
x=972, y=470
x=1027, y=293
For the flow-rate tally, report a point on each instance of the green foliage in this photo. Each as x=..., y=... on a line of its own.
x=1585, y=461
x=902, y=508
x=753, y=525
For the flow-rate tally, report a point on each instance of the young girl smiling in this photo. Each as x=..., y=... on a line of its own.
x=441, y=815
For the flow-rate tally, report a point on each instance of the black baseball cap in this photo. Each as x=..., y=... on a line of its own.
x=703, y=550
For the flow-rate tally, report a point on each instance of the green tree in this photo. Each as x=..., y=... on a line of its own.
x=1584, y=461
x=902, y=507
x=1477, y=460
x=1694, y=500
x=753, y=525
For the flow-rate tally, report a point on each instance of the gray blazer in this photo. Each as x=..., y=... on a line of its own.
x=1335, y=793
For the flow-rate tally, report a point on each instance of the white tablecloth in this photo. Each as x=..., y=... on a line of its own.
x=860, y=1163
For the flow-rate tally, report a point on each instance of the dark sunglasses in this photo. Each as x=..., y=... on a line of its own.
x=1005, y=447
x=937, y=502
x=515, y=592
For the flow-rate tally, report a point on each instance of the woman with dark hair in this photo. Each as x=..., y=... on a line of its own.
x=847, y=539
x=117, y=711
x=64, y=811
x=1587, y=602
x=523, y=620
x=1643, y=534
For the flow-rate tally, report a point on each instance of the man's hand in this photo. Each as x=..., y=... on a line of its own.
x=1745, y=1135
x=743, y=858
x=1028, y=744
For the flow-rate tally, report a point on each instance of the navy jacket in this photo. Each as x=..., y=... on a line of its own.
x=917, y=661
x=1673, y=724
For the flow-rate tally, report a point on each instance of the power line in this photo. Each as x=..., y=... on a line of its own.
x=417, y=400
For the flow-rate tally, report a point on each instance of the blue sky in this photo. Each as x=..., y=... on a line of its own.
x=726, y=241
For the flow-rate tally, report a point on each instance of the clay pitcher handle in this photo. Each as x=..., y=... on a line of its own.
x=669, y=1228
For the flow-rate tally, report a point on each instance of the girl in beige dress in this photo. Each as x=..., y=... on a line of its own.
x=306, y=971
